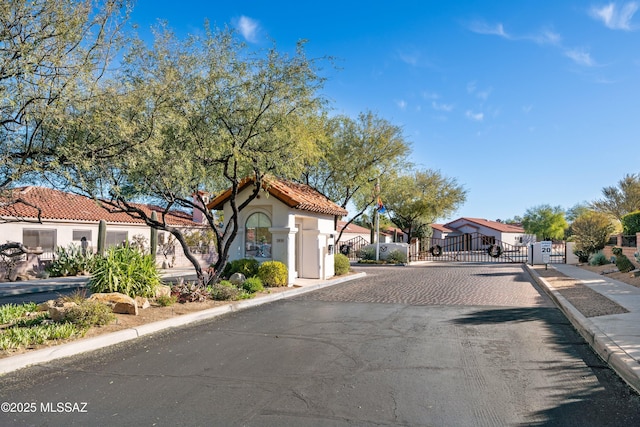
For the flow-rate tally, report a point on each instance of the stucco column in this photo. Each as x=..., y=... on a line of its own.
x=283, y=249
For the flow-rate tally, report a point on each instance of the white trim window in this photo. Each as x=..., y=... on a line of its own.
x=39, y=238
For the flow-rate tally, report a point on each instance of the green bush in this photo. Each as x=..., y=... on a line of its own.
x=125, y=270
x=631, y=223
x=89, y=313
x=166, y=300
x=247, y=266
x=623, y=263
x=341, y=264
x=224, y=291
x=273, y=273
x=598, y=259
x=367, y=254
x=253, y=285
x=397, y=257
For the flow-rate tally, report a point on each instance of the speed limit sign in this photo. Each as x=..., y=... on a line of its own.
x=545, y=248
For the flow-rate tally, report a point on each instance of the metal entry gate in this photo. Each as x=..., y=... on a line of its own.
x=472, y=247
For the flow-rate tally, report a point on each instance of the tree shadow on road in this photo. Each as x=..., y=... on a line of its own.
x=603, y=401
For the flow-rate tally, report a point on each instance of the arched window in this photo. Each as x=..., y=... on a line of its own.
x=257, y=236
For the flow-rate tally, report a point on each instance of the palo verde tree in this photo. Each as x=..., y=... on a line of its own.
x=52, y=55
x=545, y=221
x=204, y=113
x=354, y=154
x=420, y=197
x=620, y=200
x=591, y=231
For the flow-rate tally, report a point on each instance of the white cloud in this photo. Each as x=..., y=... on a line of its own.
x=547, y=37
x=402, y=104
x=614, y=16
x=248, y=28
x=442, y=107
x=527, y=108
x=580, y=57
x=484, y=28
x=409, y=58
x=484, y=94
x=478, y=117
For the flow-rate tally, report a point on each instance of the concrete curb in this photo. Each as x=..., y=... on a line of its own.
x=13, y=363
x=624, y=365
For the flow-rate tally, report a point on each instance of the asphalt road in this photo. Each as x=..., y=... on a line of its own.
x=442, y=345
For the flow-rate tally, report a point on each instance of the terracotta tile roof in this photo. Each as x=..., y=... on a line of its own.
x=292, y=194
x=58, y=205
x=352, y=228
x=441, y=228
x=499, y=226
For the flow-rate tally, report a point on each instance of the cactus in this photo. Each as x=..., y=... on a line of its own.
x=153, y=241
x=102, y=236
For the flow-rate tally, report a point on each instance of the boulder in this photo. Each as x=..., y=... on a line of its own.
x=119, y=303
x=237, y=279
x=58, y=311
x=143, y=302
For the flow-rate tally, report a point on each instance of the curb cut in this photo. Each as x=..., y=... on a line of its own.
x=13, y=363
x=611, y=353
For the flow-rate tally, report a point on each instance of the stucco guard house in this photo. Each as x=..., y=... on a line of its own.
x=288, y=222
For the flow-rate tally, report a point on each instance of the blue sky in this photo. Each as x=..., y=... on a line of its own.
x=523, y=102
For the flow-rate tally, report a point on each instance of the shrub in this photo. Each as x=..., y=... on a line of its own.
x=247, y=266
x=623, y=263
x=367, y=254
x=598, y=259
x=341, y=264
x=590, y=232
x=273, y=273
x=397, y=257
x=583, y=256
x=224, y=291
x=166, y=300
x=89, y=313
x=253, y=285
x=631, y=223
x=125, y=270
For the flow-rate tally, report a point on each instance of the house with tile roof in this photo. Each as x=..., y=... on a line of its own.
x=288, y=222
x=46, y=218
x=491, y=231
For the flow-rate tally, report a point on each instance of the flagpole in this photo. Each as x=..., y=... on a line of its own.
x=377, y=221
x=377, y=235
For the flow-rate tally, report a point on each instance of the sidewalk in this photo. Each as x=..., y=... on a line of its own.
x=13, y=363
x=615, y=338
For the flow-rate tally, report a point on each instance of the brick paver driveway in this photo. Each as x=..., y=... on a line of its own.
x=440, y=284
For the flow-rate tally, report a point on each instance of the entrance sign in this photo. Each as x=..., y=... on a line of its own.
x=545, y=248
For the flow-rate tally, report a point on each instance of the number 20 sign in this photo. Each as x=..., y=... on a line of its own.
x=545, y=248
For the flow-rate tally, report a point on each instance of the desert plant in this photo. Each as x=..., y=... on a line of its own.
x=166, y=300
x=247, y=266
x=189, y=292
x=253, y=285
x=12, y=312
x=622, y=262
x=397, y=257
x=341, y=264
x=125, y=270
x=89, y=313
x=70, y=261
x=273, y=273
x=598, y=259
x=224, y=291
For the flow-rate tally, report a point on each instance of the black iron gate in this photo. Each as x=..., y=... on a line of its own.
x=472, y=247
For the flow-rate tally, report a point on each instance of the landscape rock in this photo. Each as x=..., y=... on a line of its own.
x=143, y=302
x=237, y=279
x=58, y=311
x=119, y=303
